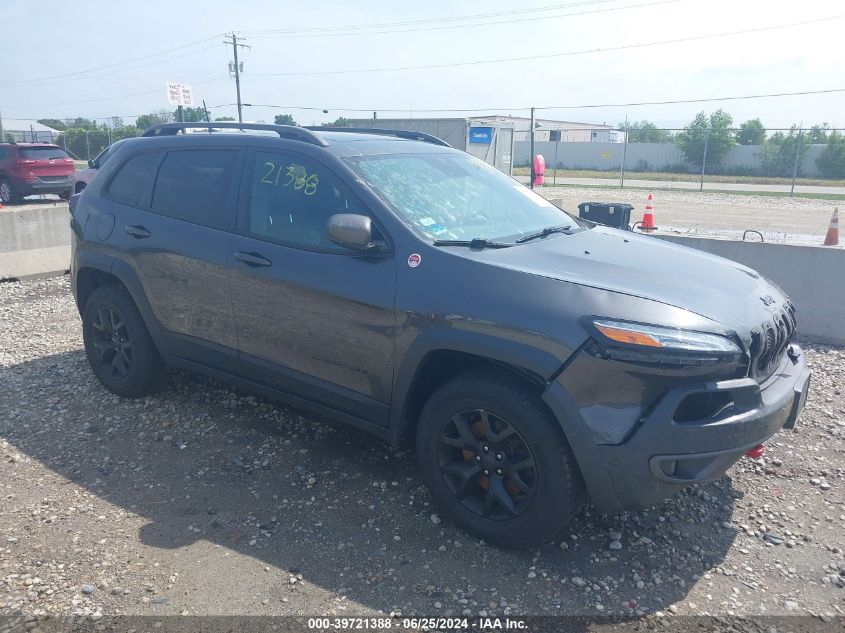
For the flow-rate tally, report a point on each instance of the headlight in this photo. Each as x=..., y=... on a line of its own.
x=663, y=338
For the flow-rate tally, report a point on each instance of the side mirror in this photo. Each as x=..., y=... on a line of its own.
x=351, y=231
x=91, y=164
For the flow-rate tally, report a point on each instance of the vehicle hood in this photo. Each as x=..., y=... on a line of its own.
x=651, y=268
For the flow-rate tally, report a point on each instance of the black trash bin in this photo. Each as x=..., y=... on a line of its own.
x=615, y=214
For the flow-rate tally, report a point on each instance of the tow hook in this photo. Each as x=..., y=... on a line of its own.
x=756, y=452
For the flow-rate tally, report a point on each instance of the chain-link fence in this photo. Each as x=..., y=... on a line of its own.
x=780, y=153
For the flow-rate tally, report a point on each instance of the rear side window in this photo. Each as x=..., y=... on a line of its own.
x=4, y=153
x=132, y=177
x=43, y=153
x=194, y=185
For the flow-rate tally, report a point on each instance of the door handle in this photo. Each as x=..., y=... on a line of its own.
x=137, y=231
x=252, y=259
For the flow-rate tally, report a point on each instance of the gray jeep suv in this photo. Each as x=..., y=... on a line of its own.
x=410, y=289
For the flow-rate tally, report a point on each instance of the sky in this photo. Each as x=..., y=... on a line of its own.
x=90, y=58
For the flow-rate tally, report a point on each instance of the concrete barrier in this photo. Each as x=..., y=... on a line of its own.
x=812, y=276
x=34, y=241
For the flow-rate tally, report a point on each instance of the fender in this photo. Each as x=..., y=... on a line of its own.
x=129, y=278
x=535, y=360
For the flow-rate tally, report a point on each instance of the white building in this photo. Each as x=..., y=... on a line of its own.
x=555, y=130
x=22, y=131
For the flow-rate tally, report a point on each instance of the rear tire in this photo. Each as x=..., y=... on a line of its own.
x=494, y=461
x=118, y=345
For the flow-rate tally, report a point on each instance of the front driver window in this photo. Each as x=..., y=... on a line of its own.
x=293, y=197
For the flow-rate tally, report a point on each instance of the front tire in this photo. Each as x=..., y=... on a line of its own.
x=494, y=461
x=7, y=193
x=118, y=345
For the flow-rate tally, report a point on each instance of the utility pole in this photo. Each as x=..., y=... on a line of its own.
x=531, y=158
x=624, y=156
x=704, y=158
x=237, y=70
x=208, y=120
x=798, y=140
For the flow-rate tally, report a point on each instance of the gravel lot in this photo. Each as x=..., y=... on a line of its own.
x=208, y=500
x=695, y=210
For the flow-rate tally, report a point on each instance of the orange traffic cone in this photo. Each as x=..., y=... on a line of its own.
x=832, y=237
x=648, y=217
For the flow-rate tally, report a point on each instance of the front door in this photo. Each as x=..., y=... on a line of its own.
x=313, y=319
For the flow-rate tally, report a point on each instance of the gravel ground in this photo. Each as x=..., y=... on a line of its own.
x=695, y=210
x=208, y=500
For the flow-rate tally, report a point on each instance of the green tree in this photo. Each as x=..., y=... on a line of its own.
x=284, y=119
x=751, y=132
x=56, y=124
x=189, y=115
x=818, y=134
x=84, y=143
x=645, y=132
x=225, y=118
x=148, y=120
x=777, y=155
x=81, y=123
x=338, y=122
x=714, y=132
x=831, y=163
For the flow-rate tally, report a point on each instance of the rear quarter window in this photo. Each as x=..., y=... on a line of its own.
x=131, y=178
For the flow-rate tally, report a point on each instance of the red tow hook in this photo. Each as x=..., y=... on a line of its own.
x=756, y=452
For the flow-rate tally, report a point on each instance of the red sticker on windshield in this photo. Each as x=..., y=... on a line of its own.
x=414, y=260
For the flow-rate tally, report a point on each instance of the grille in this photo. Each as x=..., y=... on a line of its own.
x=769, y=342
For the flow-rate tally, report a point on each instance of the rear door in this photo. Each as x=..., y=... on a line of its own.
x=176, y=235
x=313, y=319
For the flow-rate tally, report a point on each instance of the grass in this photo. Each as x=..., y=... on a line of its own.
x=676, y=177
x=775, y=194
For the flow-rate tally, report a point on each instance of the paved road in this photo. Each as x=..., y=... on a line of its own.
x=692, y=186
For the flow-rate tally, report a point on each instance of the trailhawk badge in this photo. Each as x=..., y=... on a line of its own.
x=414, y=260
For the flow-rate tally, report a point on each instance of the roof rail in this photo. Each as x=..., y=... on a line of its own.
x=406, y=134
x=284, y=131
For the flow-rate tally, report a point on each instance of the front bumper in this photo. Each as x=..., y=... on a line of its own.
x=662, y=455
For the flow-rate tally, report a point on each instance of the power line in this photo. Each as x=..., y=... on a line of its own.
x=115, y=64
x=125, y=96
x=133, y=68
x=702, y=100
x=557, y=107
x=553, y=55
x=511, y=20
x=476, y=16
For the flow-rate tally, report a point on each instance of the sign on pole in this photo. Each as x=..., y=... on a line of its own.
x=180, y=94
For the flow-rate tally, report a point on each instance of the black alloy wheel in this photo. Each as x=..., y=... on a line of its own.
x=487, y=465
x=112, y=342
x=118, y=345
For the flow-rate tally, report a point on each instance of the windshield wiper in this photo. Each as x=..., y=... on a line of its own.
x=476, y=242
x=546, y=231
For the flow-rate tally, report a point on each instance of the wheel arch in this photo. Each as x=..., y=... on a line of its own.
x=438, y=356
x=94, y=270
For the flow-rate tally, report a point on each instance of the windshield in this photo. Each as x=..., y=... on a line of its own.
x=456, y=196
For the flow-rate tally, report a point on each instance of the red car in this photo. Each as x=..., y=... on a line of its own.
x=28, y=169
